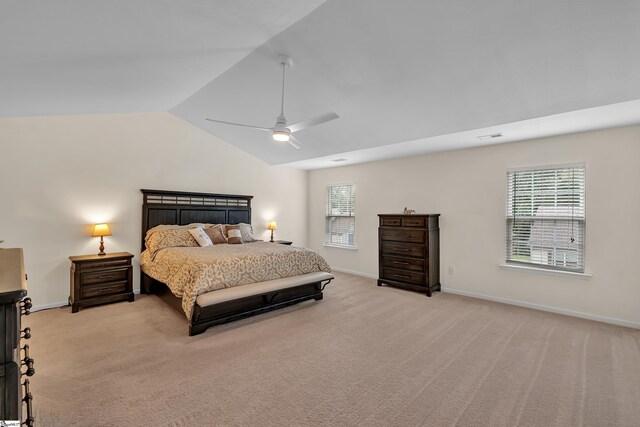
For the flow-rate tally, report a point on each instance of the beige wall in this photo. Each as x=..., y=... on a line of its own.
x=468, y=188
x=59, y=175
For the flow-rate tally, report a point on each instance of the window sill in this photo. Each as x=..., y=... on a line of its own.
x=351, y=248
x=536, y=270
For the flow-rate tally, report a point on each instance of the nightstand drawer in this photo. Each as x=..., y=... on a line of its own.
x=403, y=263
x=417, y=236
x=104, y=276
x=104, y=265
x=103, y=289
x=403, y=276
x=399, y=248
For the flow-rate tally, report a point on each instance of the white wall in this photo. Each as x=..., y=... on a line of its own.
x=60, y=175
x=468, y=188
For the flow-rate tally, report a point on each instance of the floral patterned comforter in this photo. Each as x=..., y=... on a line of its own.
x=192, y=271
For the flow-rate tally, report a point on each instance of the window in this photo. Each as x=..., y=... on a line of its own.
x=340, y=220
x=546, y=217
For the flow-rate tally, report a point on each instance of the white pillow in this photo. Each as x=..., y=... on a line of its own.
x=201, y=237
x=247, y=233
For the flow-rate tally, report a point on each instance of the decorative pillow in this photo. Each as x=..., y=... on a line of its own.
x=201, y=237
x=168, y=238
x=215, y=234
x=234, y=236
x=246, y=230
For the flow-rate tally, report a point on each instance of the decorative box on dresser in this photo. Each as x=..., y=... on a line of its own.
x=99, y=279
x=409, y=251
x=14, y=389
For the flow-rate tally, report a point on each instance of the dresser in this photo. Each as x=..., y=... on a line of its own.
x=15, y=361
x=99, y=279
x=409, y=251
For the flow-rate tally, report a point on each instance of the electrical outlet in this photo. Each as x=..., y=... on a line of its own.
x=450, y=269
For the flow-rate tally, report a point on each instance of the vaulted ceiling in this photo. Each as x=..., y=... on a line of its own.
x=405, y=77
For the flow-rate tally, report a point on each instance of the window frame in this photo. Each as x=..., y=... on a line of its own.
x=580, y=220
x=328, y=216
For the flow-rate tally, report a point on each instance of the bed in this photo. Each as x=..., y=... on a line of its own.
x=282, y=275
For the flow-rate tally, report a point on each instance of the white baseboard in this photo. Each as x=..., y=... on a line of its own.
x=355, y=273
x=47, y=306
x=61, y=304
x=557, y=310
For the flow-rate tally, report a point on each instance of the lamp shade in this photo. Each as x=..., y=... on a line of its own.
x=272, y=225
x=101, y=230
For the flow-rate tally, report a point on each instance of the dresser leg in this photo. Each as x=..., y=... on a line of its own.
x=75, y=307
x=379, y=282
x=132, y=297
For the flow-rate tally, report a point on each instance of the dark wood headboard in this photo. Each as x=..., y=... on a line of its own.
x=181, y=208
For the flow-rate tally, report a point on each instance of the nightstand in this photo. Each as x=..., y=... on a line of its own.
x=99, y=279
x=283, y=242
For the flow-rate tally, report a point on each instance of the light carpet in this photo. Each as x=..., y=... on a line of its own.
x=364, y=356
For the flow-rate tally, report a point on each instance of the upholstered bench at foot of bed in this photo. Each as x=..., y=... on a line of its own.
x=237, y=292
x=229, y=304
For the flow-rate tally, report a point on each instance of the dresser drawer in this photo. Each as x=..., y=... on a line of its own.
x=104, y=276
x=414, y=222
x=399, y=248
x=403, y=276
x=391, y=221
x=402, y=235
x=403, y=263
x=99, y=290
x=9, y=331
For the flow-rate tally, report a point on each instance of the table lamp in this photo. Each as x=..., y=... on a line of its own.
x=101, y=230
x=272, y=226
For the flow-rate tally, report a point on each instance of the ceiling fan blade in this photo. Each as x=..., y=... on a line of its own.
x=240, y=124
x=295, y=143
x=312, y=122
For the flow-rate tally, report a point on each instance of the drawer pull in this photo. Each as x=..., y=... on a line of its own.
x=400, y=262
x=401, y=276
x=25, y=306
x=28, y=362
x=26, y=333
x=402, y=249
x=27, y=399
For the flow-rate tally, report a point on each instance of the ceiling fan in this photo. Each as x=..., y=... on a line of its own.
x=282, y=131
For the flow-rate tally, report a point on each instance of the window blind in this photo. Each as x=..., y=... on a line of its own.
x=340, y=217
x=546, y=217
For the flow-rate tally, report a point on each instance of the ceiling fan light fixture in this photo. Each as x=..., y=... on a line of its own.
x=281, y=135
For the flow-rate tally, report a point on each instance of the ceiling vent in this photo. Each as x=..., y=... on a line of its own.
x=492, y=136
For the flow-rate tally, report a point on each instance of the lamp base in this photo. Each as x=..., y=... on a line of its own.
x=102, y=252
x=271, y=237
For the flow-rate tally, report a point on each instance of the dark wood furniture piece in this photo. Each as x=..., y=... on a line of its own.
x=283, y=242
x=181, y=208
x=409, y=251
x=13, y=305
x=99, y=279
